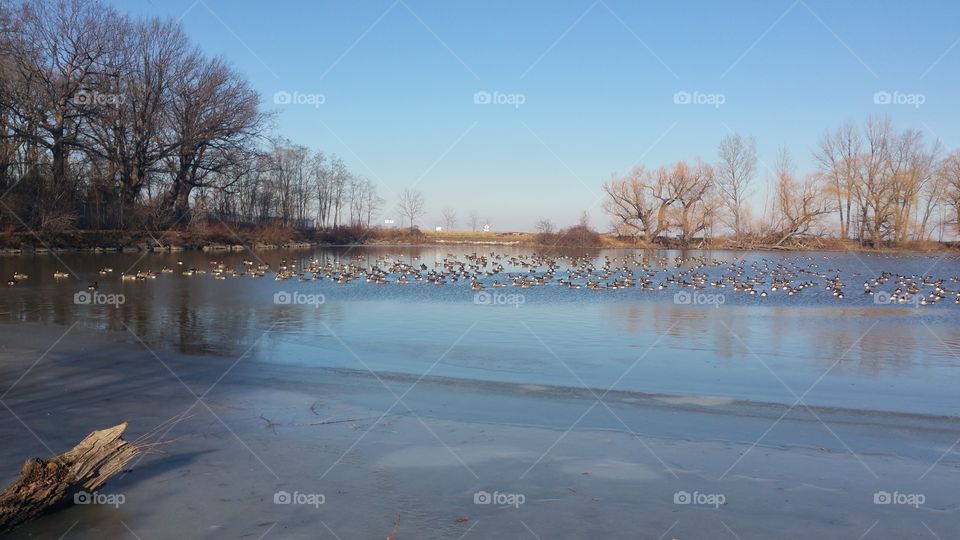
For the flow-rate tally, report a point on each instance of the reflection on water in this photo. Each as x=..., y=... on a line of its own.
x=851, y=351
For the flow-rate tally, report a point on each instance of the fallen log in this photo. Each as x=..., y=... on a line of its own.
x=45, y=485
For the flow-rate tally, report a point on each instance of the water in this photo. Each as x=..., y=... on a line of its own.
x=814, y=347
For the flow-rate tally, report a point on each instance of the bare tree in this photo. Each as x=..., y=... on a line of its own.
x=545, y=226
x=735, y=170
x=691, y=188
x=640, y=202
x=449, y=218
x=54, y=53
x=214, y=115
x=950, y=175
x=799, y=204
x=411, y=206
x=838, y=155
x=474, y=220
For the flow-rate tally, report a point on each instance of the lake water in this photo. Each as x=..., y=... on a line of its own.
x=622, y=394
x=850, y=352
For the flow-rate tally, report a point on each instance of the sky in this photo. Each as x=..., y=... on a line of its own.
x=520, y=110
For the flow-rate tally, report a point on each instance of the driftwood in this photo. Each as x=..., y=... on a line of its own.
x=47, y=484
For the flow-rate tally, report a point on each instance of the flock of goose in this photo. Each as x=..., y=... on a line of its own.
x=761, y=277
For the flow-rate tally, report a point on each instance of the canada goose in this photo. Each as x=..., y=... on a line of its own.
x=60, y=275
x=93, y=286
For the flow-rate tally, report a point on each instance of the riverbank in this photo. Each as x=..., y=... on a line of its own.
x=286, y=451
x=226, y=239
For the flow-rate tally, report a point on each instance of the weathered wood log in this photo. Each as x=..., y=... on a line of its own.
x=45, y=485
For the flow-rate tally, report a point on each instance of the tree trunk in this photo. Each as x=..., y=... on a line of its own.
x=45, y=485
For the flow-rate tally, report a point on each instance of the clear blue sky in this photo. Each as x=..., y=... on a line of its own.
x=597, y=78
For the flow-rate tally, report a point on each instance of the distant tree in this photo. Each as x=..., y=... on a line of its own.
x=544, y=226
x=411, y=206
x=639, y=202
x=838, y=155
x=799, y=204
x=474, y=220
x=950, y=174
x=735, y=170
x=449, y=218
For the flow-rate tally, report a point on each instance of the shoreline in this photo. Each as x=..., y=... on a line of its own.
x=210, y=246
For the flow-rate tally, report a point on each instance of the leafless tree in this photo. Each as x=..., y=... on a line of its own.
x=949, y=174
x=411, y=206
x=214, y=115
x=545, y=226
x=638, y=202
x=692, y=188
x=449, y=218
x=474, y=219
x=838, y=155
x=735, y=171
x=53, y=56
x=799, y=204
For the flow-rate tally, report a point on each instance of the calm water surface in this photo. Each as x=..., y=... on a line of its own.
x=849, y=352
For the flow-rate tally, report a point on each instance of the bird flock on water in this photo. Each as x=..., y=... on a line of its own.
x=762, y=277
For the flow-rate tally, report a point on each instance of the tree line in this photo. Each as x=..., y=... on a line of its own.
x=113, y=122
x=873, y=183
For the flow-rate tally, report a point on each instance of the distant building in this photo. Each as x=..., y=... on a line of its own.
x=439, y=229
x=486, y=228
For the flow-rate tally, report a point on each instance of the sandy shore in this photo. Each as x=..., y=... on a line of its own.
x=373, y=447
